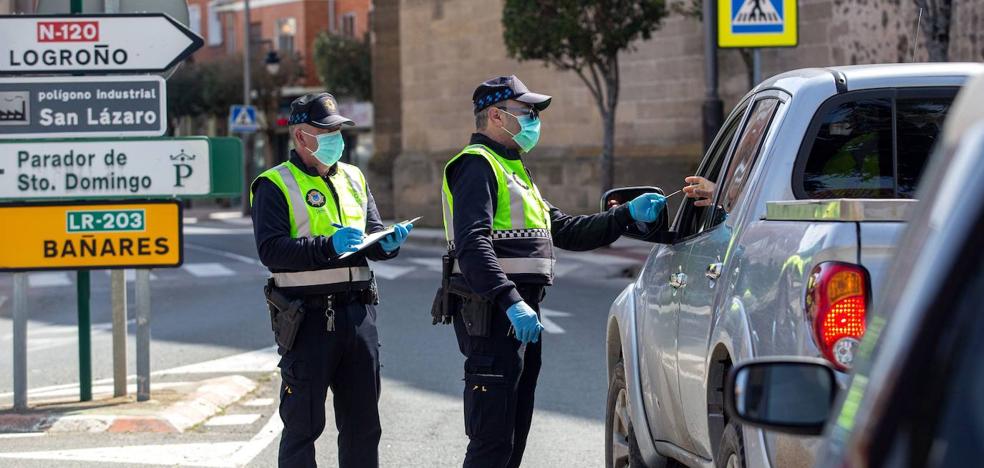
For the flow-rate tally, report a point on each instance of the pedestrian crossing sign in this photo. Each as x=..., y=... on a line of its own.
x=242, y=119
x=757, y=23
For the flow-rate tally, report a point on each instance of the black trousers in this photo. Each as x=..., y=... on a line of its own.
x=500, y=382
x=345, y=360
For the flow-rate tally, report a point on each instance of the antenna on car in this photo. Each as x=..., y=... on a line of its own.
x=915, y=36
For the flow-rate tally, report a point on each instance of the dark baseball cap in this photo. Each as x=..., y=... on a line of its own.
x=319, y=110
x=503, y=88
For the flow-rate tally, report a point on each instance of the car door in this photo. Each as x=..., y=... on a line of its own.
x=707, y=257
x=659, y=304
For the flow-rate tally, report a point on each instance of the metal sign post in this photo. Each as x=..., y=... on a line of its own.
x=83, y=290
x=118, y=292
x=20, y=341
x=143, y=334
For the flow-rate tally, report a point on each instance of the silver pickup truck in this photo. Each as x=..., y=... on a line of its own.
x=814, y=171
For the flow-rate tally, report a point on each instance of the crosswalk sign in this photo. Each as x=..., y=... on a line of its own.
x=242, y=119
x=757, y=23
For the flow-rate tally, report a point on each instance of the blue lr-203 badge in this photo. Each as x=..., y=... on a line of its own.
x=757, y=16
x=315, y=198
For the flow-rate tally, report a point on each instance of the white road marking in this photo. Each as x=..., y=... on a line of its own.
x=261, y=360
x=46, y=280
x=223, y=215
x=390, y=272
x=433, y=264
x=223, y=253
x=21, y=435
x=189, y=220
x=550, y=326
x=131, y=275
x=248, y=451
x=214, y=231
x=259, y=402
x=208, y=269
x=233, y=420
x=198, y=454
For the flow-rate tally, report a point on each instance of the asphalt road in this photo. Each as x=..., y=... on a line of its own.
x=212, y=308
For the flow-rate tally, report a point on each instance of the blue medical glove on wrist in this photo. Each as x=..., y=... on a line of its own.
x=395, y=240
x=525, y=322
x=346, y=239
x=647, y=207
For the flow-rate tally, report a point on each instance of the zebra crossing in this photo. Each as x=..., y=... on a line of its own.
x=236, y=268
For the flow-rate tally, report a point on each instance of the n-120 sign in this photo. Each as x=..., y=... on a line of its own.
x=145, y=42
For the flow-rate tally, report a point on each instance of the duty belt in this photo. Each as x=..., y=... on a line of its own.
x=296, y=279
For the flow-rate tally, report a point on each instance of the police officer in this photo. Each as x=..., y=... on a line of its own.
x=307, y=212
x=501, y=235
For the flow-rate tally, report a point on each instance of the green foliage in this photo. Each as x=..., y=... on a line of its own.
x=571, y=34
x=344, y=65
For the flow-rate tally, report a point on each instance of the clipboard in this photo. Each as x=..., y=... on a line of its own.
x=372, y=239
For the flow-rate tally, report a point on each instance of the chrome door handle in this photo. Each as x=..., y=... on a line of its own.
x=714, y=270
x=678, y=280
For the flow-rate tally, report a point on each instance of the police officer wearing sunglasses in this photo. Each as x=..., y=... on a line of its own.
x=308, y=213
x=501, y=234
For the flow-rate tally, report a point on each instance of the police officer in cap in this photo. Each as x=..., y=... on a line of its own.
x=501, y=235
x=307, y=213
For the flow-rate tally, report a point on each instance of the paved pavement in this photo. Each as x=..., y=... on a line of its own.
x=209, y=322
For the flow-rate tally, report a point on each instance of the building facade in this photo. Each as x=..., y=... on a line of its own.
x=438, y=51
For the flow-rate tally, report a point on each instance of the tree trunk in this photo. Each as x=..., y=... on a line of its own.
x=747, y=57
x=608, y=117
x=608, y=150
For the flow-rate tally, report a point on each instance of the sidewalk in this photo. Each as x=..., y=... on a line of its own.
x=173, y=407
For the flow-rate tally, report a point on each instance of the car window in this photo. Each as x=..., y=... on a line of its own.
x=919, y=123
x=857, y=149
x=746, y=153
x=690, y=216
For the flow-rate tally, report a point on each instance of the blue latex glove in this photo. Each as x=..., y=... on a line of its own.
x=395, y=240
x=647, y=207
x=345, y=239
x=525, y=322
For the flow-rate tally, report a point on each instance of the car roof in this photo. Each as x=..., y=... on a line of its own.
x=855, y=77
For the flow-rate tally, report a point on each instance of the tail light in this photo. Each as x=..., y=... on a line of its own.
x=837, y=301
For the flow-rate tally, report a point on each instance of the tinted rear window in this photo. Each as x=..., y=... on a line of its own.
x=871, y=144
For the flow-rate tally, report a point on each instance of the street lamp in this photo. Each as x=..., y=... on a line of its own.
x=272, y=62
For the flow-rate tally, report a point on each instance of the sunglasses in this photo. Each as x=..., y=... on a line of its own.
x=531, y=112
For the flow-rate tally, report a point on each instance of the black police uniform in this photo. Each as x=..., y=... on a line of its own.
x=345, y=359
x=498, y=398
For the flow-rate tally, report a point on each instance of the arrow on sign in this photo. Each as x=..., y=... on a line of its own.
x=139, y=42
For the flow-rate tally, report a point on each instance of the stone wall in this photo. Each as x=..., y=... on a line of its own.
x=449, y=46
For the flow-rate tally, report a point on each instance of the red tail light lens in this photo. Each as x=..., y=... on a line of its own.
x=837, y=301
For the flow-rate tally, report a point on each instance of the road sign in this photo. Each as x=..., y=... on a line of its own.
x=105, y=168
x=757, y=23
x=70, y=107
x=91, y=235
x=242, y=119
x=145, y=42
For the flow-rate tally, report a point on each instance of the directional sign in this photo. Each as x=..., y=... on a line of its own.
x=105, y=168
x=90, y=235
x=242, y=119
x=82, y=106
x=145, y=42
x=757, y=23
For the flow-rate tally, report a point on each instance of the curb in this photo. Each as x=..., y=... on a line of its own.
x=207, y=399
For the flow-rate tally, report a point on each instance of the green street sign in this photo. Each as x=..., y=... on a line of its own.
x=180, y=167
x=104, y=221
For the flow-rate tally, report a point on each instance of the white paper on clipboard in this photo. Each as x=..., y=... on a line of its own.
x=375, y=237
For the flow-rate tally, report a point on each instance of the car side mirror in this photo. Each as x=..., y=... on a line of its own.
x=650, y=232
x=787, y=395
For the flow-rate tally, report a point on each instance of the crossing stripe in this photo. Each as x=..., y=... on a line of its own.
x=48, y=279
x=208, y=269
x=233, y=420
